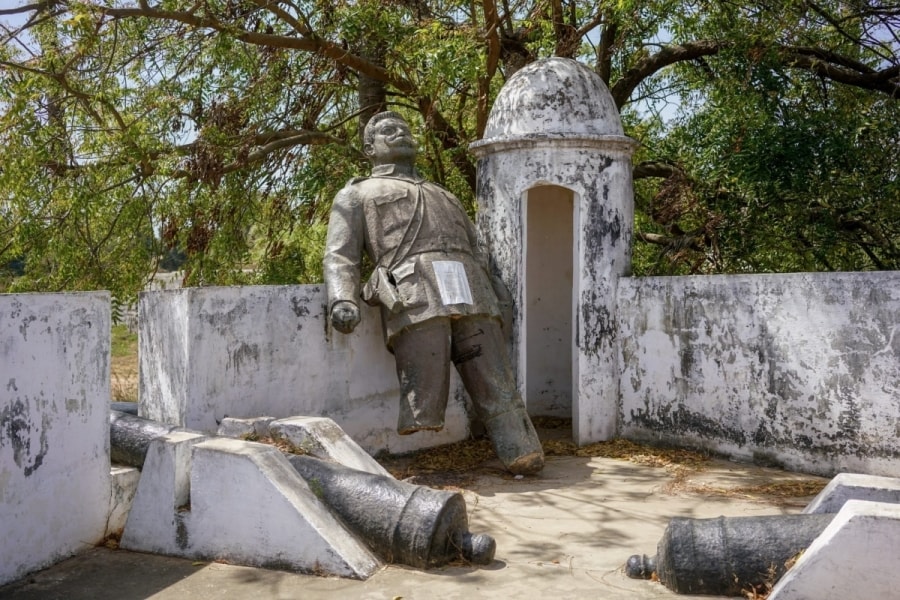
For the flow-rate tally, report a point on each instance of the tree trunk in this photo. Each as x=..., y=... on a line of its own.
x=371, y=93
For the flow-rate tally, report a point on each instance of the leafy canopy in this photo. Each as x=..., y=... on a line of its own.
x=213, y=134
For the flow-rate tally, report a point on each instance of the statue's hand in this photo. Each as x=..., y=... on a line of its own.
x=345, y=316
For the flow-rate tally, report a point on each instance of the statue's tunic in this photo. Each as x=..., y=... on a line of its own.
x=419, y=234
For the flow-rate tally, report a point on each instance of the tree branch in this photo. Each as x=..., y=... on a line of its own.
x=450, y=140
x=676, y=243
x=308, y=43
x=822, y=62
x=285, y=16
x=843, y=70
x=37, y=6
x=834, y=22
x=604, y=51
x=492, y=37
x=650, y=169
x=650, y=65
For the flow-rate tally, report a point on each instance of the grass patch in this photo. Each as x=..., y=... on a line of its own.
x=124, y=342
x=124, y=364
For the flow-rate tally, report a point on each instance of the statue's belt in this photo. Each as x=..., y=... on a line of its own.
x=438, y=243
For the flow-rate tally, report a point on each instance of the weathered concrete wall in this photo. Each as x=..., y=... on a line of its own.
x=801, y=370
x=210, y=353
x=54, y=427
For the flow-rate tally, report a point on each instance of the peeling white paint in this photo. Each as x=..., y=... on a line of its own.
x=280, y=522
x=800, y=370
x=238, y=501
x=54, y=427
x=854, y=557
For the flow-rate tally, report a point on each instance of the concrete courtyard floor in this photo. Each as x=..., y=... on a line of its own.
x=563, y=534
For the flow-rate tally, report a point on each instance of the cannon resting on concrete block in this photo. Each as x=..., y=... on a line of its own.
x=727, y=556
x=130, y=436
x=400, y=522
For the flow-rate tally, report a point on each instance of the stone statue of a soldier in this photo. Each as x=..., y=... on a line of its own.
x=438, y=304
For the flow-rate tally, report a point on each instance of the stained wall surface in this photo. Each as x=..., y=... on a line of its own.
x=800, y=370
x=214, y=352
x=54, y=427
x=554, y=125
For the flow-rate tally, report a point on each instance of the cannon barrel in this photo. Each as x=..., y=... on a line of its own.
x=400, y=522
x=404, y=523
x=130, y=436
x=726, y=556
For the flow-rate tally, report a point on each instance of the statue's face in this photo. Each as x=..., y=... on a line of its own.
x=392, y=142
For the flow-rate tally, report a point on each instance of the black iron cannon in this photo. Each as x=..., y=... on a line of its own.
x=400, y=522
x=727, y=556
x=130, y=436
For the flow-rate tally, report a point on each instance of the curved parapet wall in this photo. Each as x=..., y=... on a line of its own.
x=555, y=213
x=554, y=96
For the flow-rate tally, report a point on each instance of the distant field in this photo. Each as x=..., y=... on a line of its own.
x=124, y=366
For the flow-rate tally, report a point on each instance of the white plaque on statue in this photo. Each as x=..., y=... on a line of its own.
x=452, y=282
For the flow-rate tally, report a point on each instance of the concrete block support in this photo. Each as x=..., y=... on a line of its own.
x=854, y=486
x=54, y=429
x=322, y=438
x=123, y=487
x=241, y=352
x=250, y=506
x=233, y=427
x=854, y=557
x=239, y=501
x=156, y=520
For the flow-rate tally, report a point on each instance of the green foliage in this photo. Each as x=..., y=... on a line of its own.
x=779, y=169
x=782, y=170
x=124, y=342
x=217, y=132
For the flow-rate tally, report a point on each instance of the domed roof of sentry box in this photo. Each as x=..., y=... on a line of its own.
x=553, y=96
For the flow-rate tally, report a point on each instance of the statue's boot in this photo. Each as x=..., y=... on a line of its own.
x=516, y=441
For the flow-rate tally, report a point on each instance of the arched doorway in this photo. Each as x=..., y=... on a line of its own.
x=548, y=301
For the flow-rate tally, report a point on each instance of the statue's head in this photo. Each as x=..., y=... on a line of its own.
x=388, y=139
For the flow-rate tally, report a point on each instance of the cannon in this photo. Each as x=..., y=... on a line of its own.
x=400, y=522
x=726, y=556
x=130, y=436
